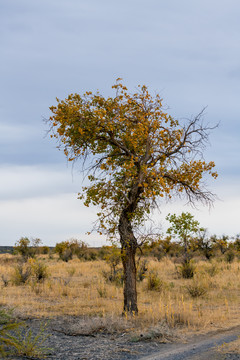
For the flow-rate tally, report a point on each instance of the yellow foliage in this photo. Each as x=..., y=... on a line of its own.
x=141, y=152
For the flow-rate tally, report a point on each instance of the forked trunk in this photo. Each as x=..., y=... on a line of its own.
x=128, y=251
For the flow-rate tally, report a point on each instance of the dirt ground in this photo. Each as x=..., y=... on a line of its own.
x=70, y=338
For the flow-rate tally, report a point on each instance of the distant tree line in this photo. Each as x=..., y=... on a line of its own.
x=184, y=240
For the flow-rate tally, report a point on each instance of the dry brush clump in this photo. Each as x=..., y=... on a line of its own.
x=197, y=288
x=18, y=340
x=154, y=283
x=33, y=270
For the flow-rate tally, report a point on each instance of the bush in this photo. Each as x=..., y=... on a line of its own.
x=142, y=270
x=23, y=248
x=21, y=274
x=6, y=325
x=102, y=291
x=28, y=345
x=187, y=270
x=113, y=258
x=16, y=340
x=66, y=250
x=212, y=270
x=229, y=256
x=66, y=255
x=116, y=278
x=38, y=270
x=44, y=250
x=88, y=255
x=197, y=289
x=154, y=282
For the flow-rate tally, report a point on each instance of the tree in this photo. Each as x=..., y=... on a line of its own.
x=185, y=227
x=24, y=248
x=113, y=258
x=135, y=154
x=66, y=249
x=204, y=243
x=237, y=242
x=28, y=248
x=63, y=249
x=221, y=243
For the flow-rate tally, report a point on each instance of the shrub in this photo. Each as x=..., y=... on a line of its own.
x=16, y=340
x=212, y=270
x=6, y=325
x=187, y=270
x=197, y=289
x=154, y=282
x=92, y=255
x=80, y=248
x=116, y=278
x=44, y=250
x=102, y=291
x=88, y=255
x=21, y=274
x=38, y=270
x=229, y=256
x=113, y=258
x=23, y=248
x=28, y=345
x=142, y=270
x=66, y=255
x=64, y=251
x=103, y=252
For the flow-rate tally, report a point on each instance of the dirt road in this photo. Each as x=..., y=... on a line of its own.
x=200, y=348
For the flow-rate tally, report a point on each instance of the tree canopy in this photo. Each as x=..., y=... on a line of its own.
x=135, y=152
x=184, y=226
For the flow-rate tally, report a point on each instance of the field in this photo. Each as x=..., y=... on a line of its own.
x=79, y=288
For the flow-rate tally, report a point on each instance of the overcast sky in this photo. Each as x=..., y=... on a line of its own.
x=188, y=51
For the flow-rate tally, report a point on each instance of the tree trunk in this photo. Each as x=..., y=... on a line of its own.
x=128, y=252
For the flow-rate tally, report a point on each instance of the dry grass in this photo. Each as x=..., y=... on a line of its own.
x=230, y=348
x=78, y=288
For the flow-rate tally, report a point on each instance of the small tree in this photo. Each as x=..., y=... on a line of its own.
x=23, y=247
x=135, y=154
x=184, y=227
x=113, y=258
x=205, y=243
x=36, y=243
x=64, y=251
x=221, y=243
x=28, y=248
x=236, y=243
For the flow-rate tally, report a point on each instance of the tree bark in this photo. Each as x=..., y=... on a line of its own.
x=128, y=252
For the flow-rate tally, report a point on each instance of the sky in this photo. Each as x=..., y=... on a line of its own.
x=187, y=51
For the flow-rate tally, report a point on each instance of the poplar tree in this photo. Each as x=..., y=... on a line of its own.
x=137, y=156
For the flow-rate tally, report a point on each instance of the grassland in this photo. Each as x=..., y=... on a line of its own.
x=78, y=288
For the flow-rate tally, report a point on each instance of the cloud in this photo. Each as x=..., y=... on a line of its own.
x=39, y=201
x=42, y=202
x=23, y=182
x=53, y=219
x=59, y=217
x=187, y=51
